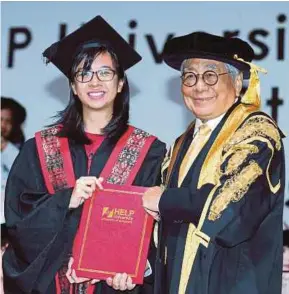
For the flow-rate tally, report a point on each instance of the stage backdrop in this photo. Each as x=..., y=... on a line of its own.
x=27, y=28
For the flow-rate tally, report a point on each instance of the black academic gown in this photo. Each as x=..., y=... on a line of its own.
x=42, y=228
x=243, y=221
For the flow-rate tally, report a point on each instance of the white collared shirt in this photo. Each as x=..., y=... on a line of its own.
x=212, y=123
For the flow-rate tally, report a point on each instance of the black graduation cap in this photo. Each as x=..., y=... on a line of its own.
x=208, y=46
x=61, y=53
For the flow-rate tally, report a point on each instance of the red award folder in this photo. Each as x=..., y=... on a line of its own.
x=114, y=234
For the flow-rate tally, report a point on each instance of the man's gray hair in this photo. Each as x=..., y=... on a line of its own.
x=232, y=70
x=183, y=65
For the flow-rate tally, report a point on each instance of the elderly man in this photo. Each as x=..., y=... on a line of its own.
x=220, y=209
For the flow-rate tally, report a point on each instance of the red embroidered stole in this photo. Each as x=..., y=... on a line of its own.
x=55, y=160
x=57, y=169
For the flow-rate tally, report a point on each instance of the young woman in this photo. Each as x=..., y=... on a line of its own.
x=56, y=172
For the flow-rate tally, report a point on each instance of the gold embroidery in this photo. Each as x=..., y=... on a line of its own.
x=210, y=172
x=234, y=189
x=274, y=189
x=239, y=153
x=257, y=126
x=166, y=163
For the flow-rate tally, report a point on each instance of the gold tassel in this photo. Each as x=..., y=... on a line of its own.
x=252, y=95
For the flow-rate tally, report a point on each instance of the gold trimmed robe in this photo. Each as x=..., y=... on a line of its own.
x=221, y=230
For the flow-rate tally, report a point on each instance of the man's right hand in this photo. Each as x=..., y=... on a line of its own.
x=83, y=189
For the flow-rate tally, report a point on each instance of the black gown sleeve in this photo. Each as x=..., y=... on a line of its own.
x=35, y=222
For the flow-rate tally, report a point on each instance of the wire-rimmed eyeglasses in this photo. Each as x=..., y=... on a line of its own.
x=103, y=75
x=210, y=77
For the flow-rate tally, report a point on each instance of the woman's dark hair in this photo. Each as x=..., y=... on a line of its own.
x=286, y=238
x=18, y=117
x=71, y=118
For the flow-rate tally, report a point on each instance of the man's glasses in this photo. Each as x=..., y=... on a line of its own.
x=210, y=77
x=103, y=75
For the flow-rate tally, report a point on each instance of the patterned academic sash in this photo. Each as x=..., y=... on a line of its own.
x=55, y=160
x=57, y=169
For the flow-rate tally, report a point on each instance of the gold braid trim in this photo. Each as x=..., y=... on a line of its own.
x=239, y=154
x=256, y=126
x=274, y=189
x=166, y=163
x=234, y=189
x=194, y=238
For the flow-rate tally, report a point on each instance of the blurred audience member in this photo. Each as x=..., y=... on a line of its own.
x=12, y=138
x=285, y=278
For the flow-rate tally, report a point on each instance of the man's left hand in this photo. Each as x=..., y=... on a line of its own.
x=151, y=199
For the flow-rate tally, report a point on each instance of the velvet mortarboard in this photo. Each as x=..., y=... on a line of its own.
x=208, y=46
x=62, y=53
